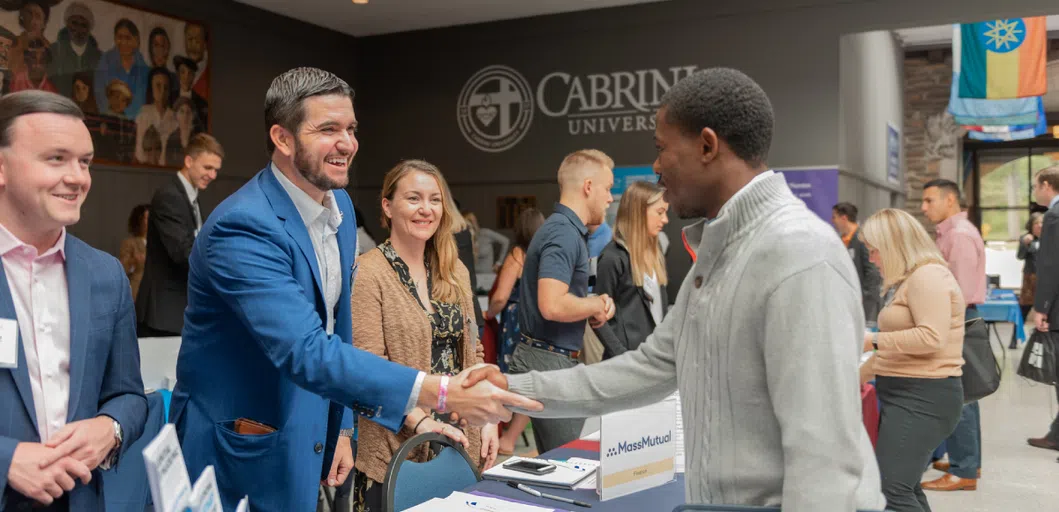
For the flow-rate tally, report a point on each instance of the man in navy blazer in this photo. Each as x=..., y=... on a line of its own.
x=71, y=396
x=267, y=373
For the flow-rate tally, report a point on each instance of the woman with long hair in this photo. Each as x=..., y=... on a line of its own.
x=417, y=279
x=918, y=357
x=632, y=269
x=504, y=302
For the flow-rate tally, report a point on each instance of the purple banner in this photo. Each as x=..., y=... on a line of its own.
x=818, y=188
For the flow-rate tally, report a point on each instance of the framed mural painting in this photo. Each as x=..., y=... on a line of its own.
x=141, y=78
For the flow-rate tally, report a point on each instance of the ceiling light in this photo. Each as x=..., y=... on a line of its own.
x=360, y=1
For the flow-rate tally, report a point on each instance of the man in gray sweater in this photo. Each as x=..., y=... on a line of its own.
x=764, y=340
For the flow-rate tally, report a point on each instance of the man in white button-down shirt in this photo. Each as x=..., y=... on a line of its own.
x=71, y=396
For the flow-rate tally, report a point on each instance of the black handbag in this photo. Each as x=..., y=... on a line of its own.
x=1038, y=358
x=981, y=371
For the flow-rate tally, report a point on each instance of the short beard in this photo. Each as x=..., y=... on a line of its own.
x=312, y=174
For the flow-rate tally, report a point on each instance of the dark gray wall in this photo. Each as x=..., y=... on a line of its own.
x=410, y=83
x=248, y=48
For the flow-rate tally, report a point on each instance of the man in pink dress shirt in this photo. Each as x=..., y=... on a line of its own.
x=962, y=246
x=70, y=389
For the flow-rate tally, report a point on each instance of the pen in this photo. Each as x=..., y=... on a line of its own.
x=535, y=492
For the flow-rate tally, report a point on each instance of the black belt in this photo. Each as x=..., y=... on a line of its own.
x=543, y=345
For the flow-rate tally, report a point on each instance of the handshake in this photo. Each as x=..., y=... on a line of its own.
x=478, y=395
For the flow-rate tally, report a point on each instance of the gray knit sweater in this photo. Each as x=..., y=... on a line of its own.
x=763, y=344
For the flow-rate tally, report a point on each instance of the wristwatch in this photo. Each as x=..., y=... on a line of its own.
x=111, y=459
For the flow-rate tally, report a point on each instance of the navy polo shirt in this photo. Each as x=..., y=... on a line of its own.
x=559, y=250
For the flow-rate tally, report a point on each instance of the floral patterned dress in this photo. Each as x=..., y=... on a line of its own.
x=446, y=358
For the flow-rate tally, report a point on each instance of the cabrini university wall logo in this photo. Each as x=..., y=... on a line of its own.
x=495, y=109
x=497, y=104
x=640, y=444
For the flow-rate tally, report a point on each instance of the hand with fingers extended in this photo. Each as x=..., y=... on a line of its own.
x=490, y=445
x=88, y=441
x=44, y=482
x=486, y=400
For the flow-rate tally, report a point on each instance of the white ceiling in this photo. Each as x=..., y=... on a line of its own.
x=941, y=35
x=389, y=16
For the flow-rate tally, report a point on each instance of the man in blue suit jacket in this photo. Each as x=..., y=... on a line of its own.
x=71, y=396
x=267, y=371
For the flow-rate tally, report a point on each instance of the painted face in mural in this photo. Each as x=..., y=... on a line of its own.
x=79, y=28
x=195, y=41
x=117, y=100
x=325, y=144
x=160, y=89
x=80, y=91
x=31, y=17
x=186, y=75
x=126, y=43
x=159, y=50
x=682, y=167
x=184, y=116
x=5, y=52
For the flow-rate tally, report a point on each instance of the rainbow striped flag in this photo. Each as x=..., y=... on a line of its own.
x=1004, y=58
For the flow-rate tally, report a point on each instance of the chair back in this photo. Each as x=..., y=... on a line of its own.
x=409, y=483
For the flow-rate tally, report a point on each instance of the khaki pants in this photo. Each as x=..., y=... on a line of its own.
x=592, y=350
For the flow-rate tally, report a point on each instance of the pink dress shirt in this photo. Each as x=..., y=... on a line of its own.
x=962, y=246
x=38, y=288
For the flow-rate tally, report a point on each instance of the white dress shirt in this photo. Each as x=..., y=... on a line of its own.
x=193, y=196
x=322, y=221
x=42, y=309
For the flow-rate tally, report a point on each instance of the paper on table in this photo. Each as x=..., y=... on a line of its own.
x=487, y=504
x=678, y=434
x=437, y=505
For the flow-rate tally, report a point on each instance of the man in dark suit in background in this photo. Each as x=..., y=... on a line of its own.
x=1046, y=300
x=844, y=218
x=171, y=229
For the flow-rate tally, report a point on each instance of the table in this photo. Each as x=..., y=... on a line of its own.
x=126, y=488
x=1003, y=306
x=663, y=498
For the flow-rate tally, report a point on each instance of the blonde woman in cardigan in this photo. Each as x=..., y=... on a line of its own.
x=918, y=356
x=413, y=305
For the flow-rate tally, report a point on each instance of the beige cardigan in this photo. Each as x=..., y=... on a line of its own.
x=389, y=322
x=921, y=330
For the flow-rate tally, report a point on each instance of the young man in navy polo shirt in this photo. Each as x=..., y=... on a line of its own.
x=554, y=301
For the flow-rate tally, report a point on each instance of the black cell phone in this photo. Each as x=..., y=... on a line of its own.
x=529, y=466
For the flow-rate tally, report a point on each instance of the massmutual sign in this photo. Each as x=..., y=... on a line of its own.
x=496, y=106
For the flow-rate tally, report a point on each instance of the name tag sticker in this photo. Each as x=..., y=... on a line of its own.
x=8, y=343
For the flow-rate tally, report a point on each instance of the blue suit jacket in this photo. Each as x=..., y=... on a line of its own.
x=255, y=346
x=104, y=366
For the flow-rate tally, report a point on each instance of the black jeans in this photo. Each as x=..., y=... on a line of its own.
x=916, y=416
